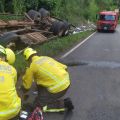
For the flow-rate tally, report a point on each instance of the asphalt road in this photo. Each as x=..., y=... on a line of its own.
x=95, y=86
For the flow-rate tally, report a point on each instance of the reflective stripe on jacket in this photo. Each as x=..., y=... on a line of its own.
x=10, y=103
x=47, y=72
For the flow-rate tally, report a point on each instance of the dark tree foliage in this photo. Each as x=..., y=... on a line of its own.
x=68, y=9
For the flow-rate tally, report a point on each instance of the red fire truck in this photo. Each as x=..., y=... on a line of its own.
x=107, y=20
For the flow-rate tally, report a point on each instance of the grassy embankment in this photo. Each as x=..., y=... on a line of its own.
x=7, y=17
x=52, y=48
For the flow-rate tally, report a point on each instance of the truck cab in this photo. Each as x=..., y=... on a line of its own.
x=107, y=21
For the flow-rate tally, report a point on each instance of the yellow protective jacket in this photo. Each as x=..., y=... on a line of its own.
x=48, y=73
x=10, y=103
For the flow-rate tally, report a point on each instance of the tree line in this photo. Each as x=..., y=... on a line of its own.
x=67, y=9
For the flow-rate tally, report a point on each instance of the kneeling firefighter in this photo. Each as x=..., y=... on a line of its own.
x=10, y=103
x=51, y=77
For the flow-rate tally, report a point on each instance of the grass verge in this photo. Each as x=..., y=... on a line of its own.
x=52, y=48
x=7, y=17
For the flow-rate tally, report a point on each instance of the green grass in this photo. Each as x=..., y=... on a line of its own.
x=10, y=17
x=56, y=46
x=52, y=48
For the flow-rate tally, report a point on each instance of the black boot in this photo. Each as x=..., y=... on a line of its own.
x=68, y=104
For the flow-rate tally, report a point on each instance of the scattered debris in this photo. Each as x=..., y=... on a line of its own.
x=83, y=28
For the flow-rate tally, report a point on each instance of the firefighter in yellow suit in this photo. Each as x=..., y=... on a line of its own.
x=10, y=103
x=51, y=77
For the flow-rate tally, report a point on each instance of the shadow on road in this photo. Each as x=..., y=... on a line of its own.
x=68, y=115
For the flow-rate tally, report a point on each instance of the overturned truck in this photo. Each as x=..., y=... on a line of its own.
x=34, y=28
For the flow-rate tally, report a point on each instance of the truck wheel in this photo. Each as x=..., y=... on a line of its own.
x=58, y=28
x=44, y=13
x=6, y=38
x=112, y=31
x=34, y=15
x=98, y=30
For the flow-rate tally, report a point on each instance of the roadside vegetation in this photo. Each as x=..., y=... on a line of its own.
x=52, y=48
x=10, y=17
x=75, y=11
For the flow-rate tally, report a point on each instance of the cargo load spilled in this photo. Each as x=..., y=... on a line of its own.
x=34, y=27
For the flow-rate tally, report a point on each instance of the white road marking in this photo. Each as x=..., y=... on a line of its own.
x=69, y=52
